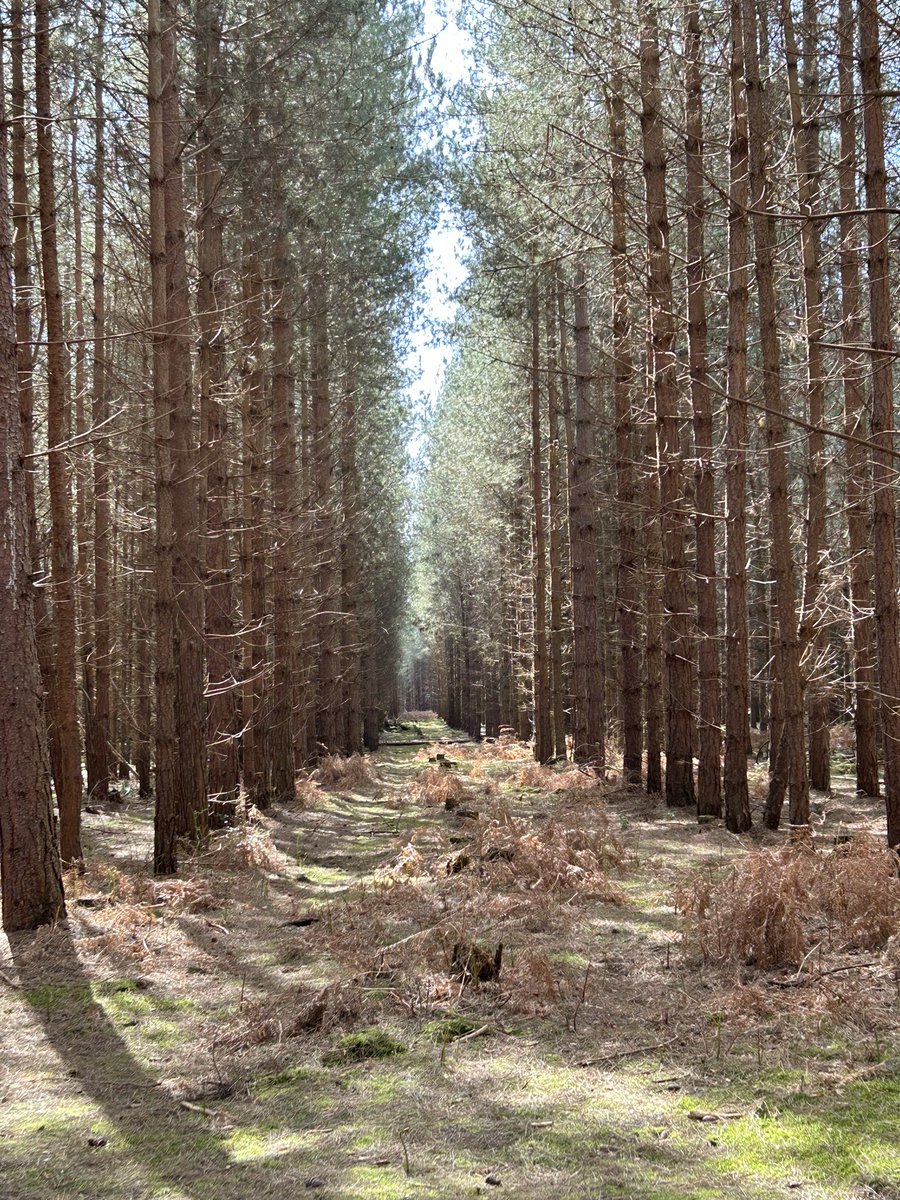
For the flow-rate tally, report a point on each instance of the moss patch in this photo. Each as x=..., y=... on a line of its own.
x=364, y=1044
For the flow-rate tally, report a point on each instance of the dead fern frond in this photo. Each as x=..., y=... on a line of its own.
x=246, y=846
x=437, y=785
x=344, y=774
x=552, y=856
x=307, y=791
x=756, y=914
x=857, y=886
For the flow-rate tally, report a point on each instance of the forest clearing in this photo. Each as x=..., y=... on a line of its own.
x=295, y=1012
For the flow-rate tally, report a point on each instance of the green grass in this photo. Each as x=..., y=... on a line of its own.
x=849, y=1139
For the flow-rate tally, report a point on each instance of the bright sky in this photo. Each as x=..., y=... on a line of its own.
x=430, y=349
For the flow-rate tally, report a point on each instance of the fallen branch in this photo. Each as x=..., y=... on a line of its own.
x=207, y=1112
x=110, y=1083
x=593, y=1062
x=467, y=1037
x=409, y=937
x=697, y=1114
x=802, y=980
x=428, y=742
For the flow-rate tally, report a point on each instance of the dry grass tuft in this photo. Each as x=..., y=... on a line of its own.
x=858, y=889
x=504, y=852
x=345, y=774
x=554, y=856
x=249, y=845
x=768, y=909
x=307, y=791
x=756, y=913
x=322, y=1011
x=316, y=1012
x=549, y=780
x=254, y=1025
x=437, y=785
x=183, y=895
x=531, y=981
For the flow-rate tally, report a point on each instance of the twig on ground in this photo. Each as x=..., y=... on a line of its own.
x=802, y=981
x=409, y=937
x=580, y=1002
x=697, y=1114
x=593, y=1062
x=467, y=1037
x=207, y=1112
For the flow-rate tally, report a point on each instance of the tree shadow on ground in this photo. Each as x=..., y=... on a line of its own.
x=147, y=1140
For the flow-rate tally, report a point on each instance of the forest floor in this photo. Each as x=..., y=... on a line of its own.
x=301, y=1012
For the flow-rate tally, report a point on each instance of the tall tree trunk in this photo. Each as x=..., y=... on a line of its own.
x=96, y=768
x=588, y=689
x=100, y=732
x=709, y=765
x=253, y=550
x=679, y=718
x=29, y=859
x=737, y=648
x=284, y=503
x=326, y=566
x=305, y=671
x=805, y=136
x=627, y=581
x=653, y=570
x=857, y=475
x=554, y=459
x=193, y=811
x=543, y=729
x=165, y=840
x=795, y=775
x=69, y=782
x=351, y=635
x=142, y=641
x=211, y=310
x=887, y=618
x=25, y=359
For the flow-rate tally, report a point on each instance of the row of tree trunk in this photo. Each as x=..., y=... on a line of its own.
x=190, y=599
x=655, y=524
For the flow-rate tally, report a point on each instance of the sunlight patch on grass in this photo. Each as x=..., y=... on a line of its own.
x=253, y=1145
x=853, y=1139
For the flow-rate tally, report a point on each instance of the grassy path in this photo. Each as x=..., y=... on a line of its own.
x=190, y=1043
